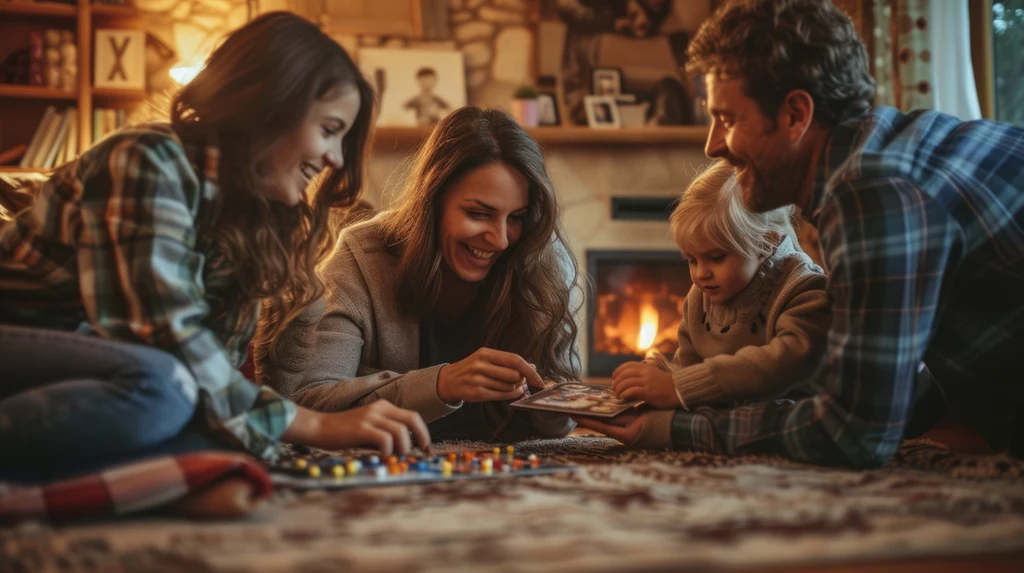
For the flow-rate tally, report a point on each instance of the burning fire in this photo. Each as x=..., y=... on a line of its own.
x=648, y=326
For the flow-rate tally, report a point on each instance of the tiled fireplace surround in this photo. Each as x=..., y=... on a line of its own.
x=586, y=177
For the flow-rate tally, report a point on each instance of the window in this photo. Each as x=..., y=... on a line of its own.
x=1008, y=60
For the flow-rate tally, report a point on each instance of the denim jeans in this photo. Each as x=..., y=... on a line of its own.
x=72, y=403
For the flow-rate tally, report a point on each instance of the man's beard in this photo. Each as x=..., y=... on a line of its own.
x=773, y=187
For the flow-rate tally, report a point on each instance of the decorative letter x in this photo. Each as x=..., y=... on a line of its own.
x=118, y=54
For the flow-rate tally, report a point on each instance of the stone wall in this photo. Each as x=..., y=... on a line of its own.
x=190, y=27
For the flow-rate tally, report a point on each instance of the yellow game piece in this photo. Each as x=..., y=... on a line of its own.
x=301, y=464
x=446, y=468
x=486, y=466
x=510, y=450
x=353, y=467
x=338, y=471
x=314, y=471
x=497, y=452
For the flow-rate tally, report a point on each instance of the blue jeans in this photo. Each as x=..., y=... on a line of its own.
x=71, y=403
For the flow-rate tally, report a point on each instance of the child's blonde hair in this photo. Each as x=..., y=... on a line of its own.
x=711, y=215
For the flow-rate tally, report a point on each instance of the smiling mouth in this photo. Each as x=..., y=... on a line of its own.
x=478, y=254
x=308, y=171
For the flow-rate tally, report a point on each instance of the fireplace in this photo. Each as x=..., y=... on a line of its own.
x=635, y=304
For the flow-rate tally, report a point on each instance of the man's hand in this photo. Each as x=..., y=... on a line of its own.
x=643, y=381
x=651, y=430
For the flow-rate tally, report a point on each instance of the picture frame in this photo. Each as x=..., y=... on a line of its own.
x=547, y=114
x=602, y=112
x=596, y=400
x=119, y=59
x=416, y=87
x=606, y=81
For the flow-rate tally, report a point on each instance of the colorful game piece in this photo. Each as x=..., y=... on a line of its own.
x=352, y=467
x=310, y=470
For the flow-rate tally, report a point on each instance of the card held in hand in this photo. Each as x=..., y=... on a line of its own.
x=596, y=400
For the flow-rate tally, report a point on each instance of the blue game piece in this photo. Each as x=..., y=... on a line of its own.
x=422, y=466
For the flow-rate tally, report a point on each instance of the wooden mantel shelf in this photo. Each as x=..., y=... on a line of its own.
x=689, y=135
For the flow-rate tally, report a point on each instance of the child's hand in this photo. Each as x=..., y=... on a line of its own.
x=643, y=381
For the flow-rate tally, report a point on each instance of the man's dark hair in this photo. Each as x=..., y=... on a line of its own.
x=777, y=46
x=424, y=72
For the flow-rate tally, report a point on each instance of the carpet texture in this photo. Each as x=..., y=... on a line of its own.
x=621, y=511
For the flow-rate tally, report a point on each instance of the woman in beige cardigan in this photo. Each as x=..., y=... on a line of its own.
x=451, y=303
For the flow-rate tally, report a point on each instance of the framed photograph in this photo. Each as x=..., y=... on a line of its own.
x=602, y=112
x=119, y=59
x=606, y=81
x=595, y=400
x=415, y=87
x=547, y=109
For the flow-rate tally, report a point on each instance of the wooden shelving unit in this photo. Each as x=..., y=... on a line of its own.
x=688, y=135
x=21, y=106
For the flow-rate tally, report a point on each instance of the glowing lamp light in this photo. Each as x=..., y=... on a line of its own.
x=648, y=327
x=185, y=74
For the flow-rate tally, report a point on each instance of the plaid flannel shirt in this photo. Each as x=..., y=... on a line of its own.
x=920, y=219
x=112, y=246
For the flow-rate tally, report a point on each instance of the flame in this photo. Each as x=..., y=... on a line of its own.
x=648, y=327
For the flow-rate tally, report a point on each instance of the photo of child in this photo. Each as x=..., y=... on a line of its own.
x=428, y=106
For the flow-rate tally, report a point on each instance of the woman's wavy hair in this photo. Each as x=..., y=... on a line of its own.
x=532, y=289
x=258, y=86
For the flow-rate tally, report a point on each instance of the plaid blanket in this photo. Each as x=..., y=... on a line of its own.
x=130, y=488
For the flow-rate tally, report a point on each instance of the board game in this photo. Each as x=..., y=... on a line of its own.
x=595, y=400
x=323, y=471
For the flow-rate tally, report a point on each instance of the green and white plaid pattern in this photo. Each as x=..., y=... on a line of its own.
x=111, y=247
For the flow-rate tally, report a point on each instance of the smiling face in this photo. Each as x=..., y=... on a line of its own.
x=766, y=160
x=721, y=274
x=481, y=217
x=313, y=145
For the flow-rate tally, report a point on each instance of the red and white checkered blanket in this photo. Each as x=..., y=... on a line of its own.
x=130, y=488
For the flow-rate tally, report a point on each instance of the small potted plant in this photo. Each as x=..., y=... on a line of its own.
x=525, y=108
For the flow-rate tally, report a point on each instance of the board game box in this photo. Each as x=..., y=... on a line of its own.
x=323, y=471
x=595, y=400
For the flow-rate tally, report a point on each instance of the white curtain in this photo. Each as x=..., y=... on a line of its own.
x=952, y=72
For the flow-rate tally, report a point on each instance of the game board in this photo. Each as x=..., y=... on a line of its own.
x=322, y=471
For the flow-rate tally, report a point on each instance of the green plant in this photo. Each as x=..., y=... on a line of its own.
x=526, y=92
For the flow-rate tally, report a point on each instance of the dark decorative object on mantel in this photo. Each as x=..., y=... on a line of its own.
x=644, y=39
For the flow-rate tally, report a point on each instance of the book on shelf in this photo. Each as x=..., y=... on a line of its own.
x=55, y=140
x=28, y=159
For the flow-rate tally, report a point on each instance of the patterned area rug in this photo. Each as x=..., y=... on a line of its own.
x=621, y=511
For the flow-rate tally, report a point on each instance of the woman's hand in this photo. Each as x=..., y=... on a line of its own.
x=486, y=375
x=381, y=425
x=647, y=382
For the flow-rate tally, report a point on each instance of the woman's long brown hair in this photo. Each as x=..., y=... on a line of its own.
x=531, y=290
x=258, y=86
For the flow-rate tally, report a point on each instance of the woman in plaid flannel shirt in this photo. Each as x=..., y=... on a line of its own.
x=130, y=288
